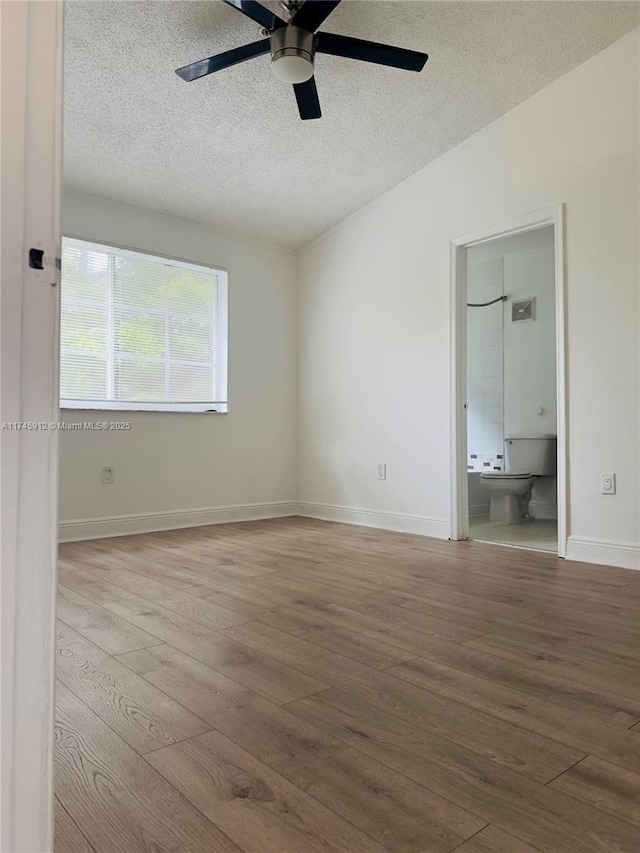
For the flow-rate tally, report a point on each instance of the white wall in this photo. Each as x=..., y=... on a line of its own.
x=173, y=462
x=375, y=312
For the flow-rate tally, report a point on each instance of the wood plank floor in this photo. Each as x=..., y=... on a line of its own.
x=297, y=686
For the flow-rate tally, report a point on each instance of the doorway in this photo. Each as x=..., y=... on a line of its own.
x=508, y=389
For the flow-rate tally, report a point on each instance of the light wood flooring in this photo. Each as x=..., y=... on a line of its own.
x=297, y=686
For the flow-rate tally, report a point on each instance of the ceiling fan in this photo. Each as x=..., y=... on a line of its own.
x=293, y=45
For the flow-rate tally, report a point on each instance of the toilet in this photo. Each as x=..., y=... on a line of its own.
x=527, y=457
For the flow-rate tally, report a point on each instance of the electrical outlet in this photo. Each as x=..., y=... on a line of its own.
x=382, y=471
x=608, y=484
x=106, y=475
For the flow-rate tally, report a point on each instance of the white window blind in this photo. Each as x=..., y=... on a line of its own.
x=141, y=332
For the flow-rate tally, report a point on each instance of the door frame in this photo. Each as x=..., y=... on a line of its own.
x=31, y=65
x=554, y=216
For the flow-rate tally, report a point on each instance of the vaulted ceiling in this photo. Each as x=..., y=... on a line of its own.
x=229, y=150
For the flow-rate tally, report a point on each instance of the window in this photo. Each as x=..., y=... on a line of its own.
x=141, y=332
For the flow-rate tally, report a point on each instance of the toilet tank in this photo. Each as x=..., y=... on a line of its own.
x=535, y=454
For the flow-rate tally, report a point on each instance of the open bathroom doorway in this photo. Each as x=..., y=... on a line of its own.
x=508, y=386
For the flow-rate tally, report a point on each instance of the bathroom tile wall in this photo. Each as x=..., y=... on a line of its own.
x=485, y=341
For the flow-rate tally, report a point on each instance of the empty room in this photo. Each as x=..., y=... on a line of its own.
x=321, y=426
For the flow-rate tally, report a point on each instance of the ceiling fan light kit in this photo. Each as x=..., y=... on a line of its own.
x=292, y=53
x=293, y=45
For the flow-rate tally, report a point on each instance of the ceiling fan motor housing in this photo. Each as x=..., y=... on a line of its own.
x=292, y=52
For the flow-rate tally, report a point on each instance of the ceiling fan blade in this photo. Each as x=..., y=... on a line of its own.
x=257, y=13
x=307, y=98
x=313, y=13
x=371, y=51
x=223, y=60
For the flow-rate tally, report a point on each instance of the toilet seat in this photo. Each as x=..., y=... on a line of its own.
x=503, y=475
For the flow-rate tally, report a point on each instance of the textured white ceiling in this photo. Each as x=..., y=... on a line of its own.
x=229, y=150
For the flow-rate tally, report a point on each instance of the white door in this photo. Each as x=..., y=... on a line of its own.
x=31, y=66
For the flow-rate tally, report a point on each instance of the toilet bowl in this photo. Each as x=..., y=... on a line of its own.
x=509, y=493
x=528, y=458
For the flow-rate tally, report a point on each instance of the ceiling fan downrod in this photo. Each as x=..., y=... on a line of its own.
x=291, y=6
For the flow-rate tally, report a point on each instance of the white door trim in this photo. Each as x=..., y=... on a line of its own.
x=31, y=65
x=459, y=492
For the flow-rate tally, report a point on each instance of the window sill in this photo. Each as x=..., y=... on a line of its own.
x=192, y=408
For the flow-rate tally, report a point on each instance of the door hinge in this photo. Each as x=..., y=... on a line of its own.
x=38, y=260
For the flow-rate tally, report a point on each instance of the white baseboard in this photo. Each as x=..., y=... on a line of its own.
x=436, y=528
x=605, y=552
x=150, y=522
